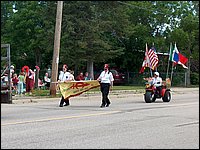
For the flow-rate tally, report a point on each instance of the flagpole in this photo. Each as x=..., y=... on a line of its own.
x=148, y=59
x=172, y=63
x=168, y=60
x=155, y=52
x=151, y=72
x=172, y=72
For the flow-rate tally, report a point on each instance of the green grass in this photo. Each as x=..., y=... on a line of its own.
x=46, y=93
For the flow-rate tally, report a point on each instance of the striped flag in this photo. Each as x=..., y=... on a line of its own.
x=150, y=59
x=153, y=58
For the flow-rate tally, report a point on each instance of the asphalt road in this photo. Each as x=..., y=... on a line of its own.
x=129, y=123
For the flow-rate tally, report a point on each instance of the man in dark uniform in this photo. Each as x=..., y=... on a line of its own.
x=106, y=83
x=64, y=76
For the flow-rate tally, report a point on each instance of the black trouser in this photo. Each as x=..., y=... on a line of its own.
x=105, y=91
x=159, y=89
x=47, y=84
x=64, y=100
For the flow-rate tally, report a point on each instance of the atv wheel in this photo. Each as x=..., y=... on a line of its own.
x=167, y=97
x=148, y=97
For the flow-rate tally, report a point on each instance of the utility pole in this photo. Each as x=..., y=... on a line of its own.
x=54, y=72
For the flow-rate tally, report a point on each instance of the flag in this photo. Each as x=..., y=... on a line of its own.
x=153, y=58
x=75, y=88
x=150, y=59
x=145, y=61
x=178, y=58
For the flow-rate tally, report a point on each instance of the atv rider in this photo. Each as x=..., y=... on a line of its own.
x=157, y=82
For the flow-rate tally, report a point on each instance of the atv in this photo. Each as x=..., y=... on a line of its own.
x=151, y=92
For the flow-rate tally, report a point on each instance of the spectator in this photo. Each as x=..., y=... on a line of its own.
x=87, y=76
x=30, y=75
x=15, y=81
x=47, y=80
x=40, y=83
x=71, y=76
x=7, y=72
x=80, y=77
x=20, y=87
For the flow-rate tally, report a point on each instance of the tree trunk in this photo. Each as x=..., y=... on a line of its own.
x=188, y=70
x=90, y=69
x=188, y=74
x=38, y=63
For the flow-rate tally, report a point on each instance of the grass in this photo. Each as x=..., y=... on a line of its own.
x=46, y=93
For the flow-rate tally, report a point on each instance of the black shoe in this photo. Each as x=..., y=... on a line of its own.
x=107, y=105
x=66, y=105
x=102, y=106
x=60, y=105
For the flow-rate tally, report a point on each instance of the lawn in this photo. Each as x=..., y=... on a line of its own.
x=42, y=92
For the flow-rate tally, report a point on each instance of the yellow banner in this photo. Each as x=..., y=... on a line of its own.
x=74, y=88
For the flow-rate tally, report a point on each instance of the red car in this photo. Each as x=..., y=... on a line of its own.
x=119, y=78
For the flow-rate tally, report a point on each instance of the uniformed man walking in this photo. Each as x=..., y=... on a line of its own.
x=64, y=76
x=106, y=83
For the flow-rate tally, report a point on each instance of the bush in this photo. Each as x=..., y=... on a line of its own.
x=194, y=78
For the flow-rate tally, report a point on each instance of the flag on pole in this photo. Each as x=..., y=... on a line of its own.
x=178, y=58
x=153, y=58
x=145, y=61
x=75, y=88
x=150, y=59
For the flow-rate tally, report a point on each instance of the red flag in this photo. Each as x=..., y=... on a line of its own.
x=145, y=61
x=178, y=58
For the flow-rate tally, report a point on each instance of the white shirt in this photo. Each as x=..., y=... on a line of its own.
x=71, y=77
x=157, y=81
x=46, y=79
x=63, y=76
x=106, y=77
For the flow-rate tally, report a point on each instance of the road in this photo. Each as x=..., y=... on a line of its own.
x=129, y=123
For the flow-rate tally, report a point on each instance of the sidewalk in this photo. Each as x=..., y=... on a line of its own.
x=88, y=94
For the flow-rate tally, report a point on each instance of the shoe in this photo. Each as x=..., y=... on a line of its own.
x=60, y=105
x=102, y=106
x=66, y=105
x=107, y=105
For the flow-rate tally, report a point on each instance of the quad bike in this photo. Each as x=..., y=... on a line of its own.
x=151, y=93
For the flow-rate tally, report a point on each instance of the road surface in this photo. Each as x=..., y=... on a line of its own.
x=129, y=123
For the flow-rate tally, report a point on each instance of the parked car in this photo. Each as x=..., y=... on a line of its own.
x=119, y=78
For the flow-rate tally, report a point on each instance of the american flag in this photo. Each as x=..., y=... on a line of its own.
x=153, y=58
x=150, y=59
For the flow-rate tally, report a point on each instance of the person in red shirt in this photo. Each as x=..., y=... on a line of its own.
x=80, y=77
x=15, y=81
x=30, y=75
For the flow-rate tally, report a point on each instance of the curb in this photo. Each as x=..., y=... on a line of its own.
x=85, y=95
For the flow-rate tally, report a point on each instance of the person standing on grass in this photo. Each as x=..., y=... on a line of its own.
x=21, y=83
x=30, y=75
